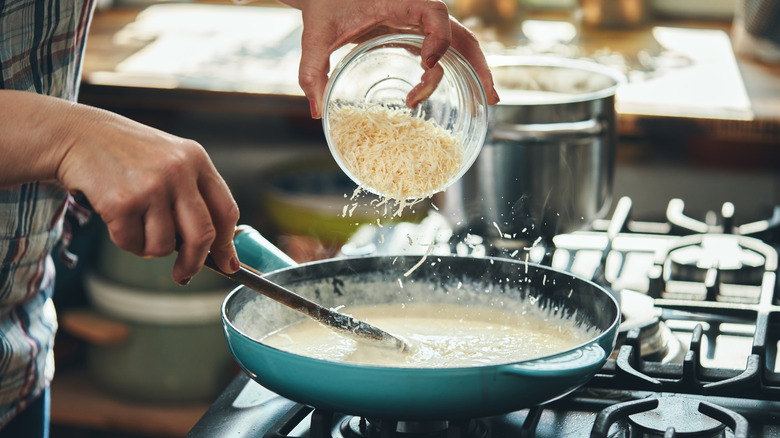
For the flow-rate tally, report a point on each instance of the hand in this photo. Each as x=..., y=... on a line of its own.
x=330, y=24
x=149, y=187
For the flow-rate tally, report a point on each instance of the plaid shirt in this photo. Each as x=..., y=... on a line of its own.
x=41, y=46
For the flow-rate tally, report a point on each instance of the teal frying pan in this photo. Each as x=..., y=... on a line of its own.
x=417, y=394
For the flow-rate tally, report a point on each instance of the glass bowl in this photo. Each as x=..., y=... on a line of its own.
x=382, y=71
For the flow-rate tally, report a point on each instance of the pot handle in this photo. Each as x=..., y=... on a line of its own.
x=545, y=131
x=580, y=361
x=257, y=252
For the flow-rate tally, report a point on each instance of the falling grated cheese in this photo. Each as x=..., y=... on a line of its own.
x=498, y=229
x=422, y=260
x=391, y=151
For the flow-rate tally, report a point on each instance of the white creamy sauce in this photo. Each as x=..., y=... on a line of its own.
x=440, y=336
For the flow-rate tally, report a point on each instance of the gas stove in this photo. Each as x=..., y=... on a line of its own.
x=697, y=352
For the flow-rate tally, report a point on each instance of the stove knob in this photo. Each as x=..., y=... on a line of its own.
x=727, y=217
x=712, y=281
x=657, y=284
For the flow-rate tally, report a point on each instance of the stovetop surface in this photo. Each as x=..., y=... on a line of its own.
x=696, y=355
x=246, y=409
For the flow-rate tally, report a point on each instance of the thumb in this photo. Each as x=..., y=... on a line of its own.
x=313, y=70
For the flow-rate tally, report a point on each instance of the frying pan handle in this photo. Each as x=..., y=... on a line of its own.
x=581, y=361
x=257, y=252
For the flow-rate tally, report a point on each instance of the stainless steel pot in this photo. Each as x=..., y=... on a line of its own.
x=548, y=164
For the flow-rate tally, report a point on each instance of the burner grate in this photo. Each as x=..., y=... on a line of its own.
x=697, y=358
x=671, y=416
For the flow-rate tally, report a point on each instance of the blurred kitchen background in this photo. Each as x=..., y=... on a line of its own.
x=139, y=356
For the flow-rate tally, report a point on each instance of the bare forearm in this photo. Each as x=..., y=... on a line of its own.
x=33, y=135
x=149, y=187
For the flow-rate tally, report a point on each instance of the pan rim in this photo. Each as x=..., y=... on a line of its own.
x=611, y=330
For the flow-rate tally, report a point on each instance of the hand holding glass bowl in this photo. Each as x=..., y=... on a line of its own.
x=378, y=82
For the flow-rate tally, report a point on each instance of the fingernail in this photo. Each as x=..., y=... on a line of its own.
x=313, y=108
x=431, y=61
x=234, y=264
x=185, y=281
x=495, y=94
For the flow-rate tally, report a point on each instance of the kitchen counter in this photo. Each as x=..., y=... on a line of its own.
x=684, y=78
x=79, y=405
x=696, y=121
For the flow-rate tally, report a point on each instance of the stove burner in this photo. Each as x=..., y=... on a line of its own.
x=359, y=427
x=680, y=414
x=713, y=267
x=724, y=252
x=656, y=341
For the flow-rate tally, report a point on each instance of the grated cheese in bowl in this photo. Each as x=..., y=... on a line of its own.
x=401, y=154
x=393, y=153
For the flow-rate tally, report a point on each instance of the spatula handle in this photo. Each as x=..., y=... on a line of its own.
x=342, y=322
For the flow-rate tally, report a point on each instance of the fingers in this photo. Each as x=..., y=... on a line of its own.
x=435, y=20
x=150, y=187
x=197, y=234
x=466, y=43
x=139, y=217
x=313, y=70
x=186, y=198
x=428, y=83
x=327, y=28
x=127, y=233
x=224, y=215
x=205, y=222
x=159, y=228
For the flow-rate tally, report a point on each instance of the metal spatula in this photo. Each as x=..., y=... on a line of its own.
x=340, y=322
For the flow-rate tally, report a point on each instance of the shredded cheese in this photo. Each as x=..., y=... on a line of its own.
x=500, y=234
x=394, y=153
x=422, y=260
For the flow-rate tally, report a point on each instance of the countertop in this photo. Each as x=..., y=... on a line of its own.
x=78, y=404
x=684, y=76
